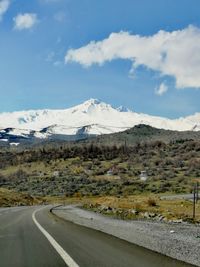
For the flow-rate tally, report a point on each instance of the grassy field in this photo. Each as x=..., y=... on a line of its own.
x=144, y=204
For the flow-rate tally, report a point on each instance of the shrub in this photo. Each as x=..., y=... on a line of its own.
x=151, y=202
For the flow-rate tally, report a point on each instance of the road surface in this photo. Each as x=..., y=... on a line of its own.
x=179, y=196
x=33, y=237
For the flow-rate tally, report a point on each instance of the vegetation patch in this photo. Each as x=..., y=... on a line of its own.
x=98, y=170
x=10, y=198
x=139, y=207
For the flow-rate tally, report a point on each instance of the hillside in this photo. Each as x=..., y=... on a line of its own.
x=10, y=198
x=145, y=133
x=94, y=169
x=104, y=165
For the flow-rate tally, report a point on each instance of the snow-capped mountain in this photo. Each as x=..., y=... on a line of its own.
x=89, y=118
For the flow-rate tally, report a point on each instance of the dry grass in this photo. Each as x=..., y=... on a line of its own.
x=171, y=209
x=151, y=202
x=11, y=198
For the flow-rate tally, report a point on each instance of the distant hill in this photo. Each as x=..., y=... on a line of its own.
x=145, y=133
x=139, y=133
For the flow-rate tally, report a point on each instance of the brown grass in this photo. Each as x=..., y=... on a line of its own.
x=171, y=209
x=11, y=198
x=151, y=202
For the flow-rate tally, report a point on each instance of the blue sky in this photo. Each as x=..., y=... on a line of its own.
x=34, y=72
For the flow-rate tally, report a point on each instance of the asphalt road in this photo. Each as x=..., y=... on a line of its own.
x=179, y=196
x=33, y=237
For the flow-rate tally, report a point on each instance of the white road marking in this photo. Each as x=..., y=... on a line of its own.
x=64, y=255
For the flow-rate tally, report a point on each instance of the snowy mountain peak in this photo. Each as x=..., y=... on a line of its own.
x=92, y=101
x=91, y=117
x=92, y=106
x=89, y=104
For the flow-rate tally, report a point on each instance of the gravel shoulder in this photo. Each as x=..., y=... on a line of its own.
x=179, y=241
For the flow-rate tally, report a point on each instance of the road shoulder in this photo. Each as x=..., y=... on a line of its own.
x=179, y=241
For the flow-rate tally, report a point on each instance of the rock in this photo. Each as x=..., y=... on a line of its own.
x=152, y=215
x=177, y=221
x=134, y=212
x=149, y=215
x=160, y=217
x=146, y=215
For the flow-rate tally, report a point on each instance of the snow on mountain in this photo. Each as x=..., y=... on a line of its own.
x=14, y=133
x=123, y=109
x=91, y=117
x=92, y=129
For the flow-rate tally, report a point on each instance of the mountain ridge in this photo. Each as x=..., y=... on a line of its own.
x=91, y=117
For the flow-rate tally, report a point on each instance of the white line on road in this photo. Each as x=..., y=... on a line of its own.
x=64, y=255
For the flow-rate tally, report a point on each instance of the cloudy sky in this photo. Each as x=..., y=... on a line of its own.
x=142, y=54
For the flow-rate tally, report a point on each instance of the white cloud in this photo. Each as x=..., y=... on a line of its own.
x=4, y=5
x=25, y=21
x=162, y=89
x=175, y=54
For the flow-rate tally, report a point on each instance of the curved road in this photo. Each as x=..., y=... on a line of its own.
x=33, y=237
